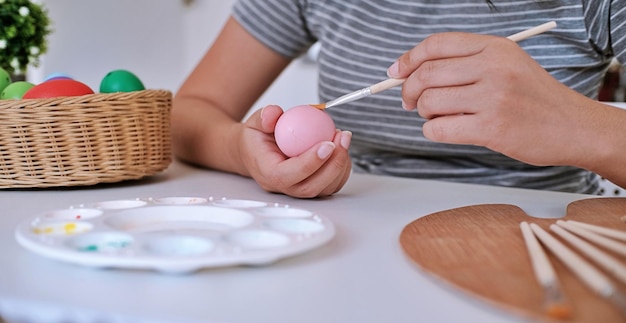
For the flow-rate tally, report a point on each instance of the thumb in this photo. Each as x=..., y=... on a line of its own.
x=265, y=119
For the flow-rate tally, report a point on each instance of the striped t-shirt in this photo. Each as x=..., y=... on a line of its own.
x=360, y=39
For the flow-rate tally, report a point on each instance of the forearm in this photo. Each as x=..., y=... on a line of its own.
x=606, y=153
x=205, y=135
x=217, y=95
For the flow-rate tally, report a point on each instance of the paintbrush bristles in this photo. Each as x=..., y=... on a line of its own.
x=559, y=311
x=373, y=89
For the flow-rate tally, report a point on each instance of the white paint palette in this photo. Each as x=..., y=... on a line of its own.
x=174, y=234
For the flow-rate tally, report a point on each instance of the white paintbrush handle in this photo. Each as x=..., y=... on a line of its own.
x=544, y=272
x=592, y=277
x=615, y=246
x=532, y=31
x=607, y=262
x=385, y=85
x=611, y=233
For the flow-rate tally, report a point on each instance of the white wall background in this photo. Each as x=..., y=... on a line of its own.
x=160, y=41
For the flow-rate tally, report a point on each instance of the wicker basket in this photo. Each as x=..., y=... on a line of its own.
x=84, y=140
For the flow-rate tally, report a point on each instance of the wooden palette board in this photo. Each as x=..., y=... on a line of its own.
x=480, y=250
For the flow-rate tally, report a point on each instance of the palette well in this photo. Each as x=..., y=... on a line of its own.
x=174, y=234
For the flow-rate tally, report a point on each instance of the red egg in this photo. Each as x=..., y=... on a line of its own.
x=301, y=127
x=58, y=88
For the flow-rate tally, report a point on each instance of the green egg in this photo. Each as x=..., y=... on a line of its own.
x=5, y=79
x=120, y=81
x=16, y=90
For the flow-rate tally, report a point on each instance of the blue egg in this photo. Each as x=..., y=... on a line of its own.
x=57, y=76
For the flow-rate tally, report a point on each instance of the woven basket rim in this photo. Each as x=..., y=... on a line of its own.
x=88, y=98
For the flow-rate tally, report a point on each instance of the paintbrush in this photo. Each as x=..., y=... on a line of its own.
x=611, y=233
x=554, y=301
x=599, y=239
x=588, y=274
x=390, y=83
x=602, y=258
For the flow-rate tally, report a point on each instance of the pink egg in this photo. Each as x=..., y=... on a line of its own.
x=301, y=127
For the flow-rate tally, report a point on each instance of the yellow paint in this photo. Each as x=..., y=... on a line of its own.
x=70, y=228
x=45, y=230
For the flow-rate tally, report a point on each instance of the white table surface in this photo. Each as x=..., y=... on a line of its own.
x=362, y=275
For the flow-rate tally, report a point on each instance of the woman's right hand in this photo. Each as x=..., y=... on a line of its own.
x=207, y=129
x=320, y=171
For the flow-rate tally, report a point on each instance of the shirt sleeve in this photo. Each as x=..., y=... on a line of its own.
x=618, y=30
x=606, y=25
x=279, y=24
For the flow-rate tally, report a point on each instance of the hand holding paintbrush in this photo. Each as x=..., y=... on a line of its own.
x=390, y=83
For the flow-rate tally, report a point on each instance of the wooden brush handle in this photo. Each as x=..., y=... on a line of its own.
x=532, y=31
x=544, y=272
x=385, y=85
x=592, y=277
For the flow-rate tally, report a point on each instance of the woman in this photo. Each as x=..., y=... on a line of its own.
x=476, y=107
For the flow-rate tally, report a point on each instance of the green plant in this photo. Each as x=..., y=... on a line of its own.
x=24, y=26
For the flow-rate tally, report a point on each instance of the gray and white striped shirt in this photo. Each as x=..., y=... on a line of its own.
x=361, y=38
